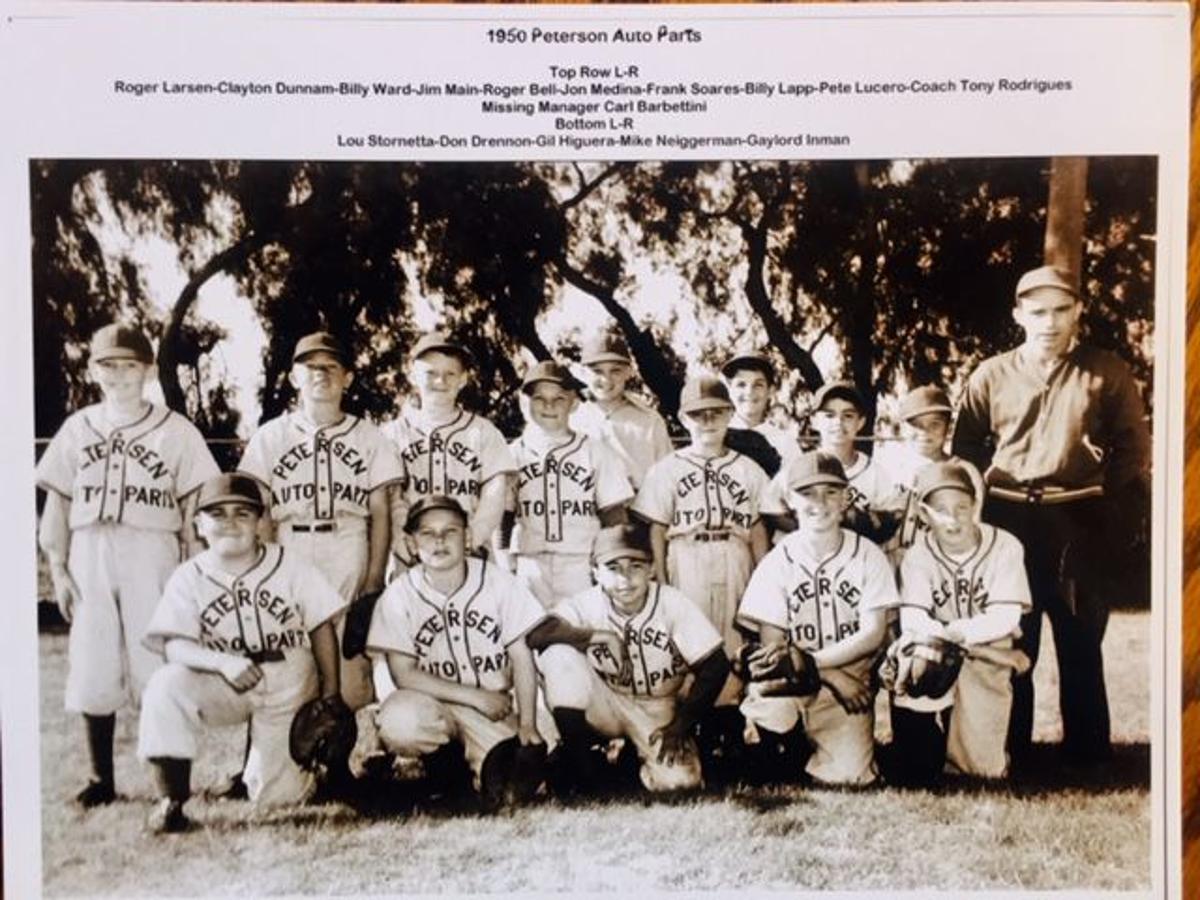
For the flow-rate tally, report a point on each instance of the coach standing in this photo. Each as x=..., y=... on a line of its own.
x=1059, y=430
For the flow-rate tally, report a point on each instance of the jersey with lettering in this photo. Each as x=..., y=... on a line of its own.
x=272, y=606
x=633, y=430
x=463, y=637
x=662, y=640
x=454, y=459
x=688, y=493
x=135, y=474
x=871, y=487
x=950, y=588
x=561, y=486
x=320, y=472
x=817, y=601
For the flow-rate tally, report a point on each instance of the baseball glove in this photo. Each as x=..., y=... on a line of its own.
x=921, y=666
x=783, y=679
x=322, y=735
x=358, y=623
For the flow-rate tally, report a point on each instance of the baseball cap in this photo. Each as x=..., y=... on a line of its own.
x=440, y=341
x=117, y=341
x=936, y=476
x=230, y=487
x=320, y=342
x=705, y=392
x=1047, y=276
x=814, y=467
x=621, y=542
x=548, y=370
x=749, y=360
x=925, y=399
x=844, y=389
x=608, y=346
x=428, y=504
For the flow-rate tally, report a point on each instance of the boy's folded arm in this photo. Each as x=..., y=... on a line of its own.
x=872, y=629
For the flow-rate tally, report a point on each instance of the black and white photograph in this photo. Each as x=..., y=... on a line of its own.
x=656, y=525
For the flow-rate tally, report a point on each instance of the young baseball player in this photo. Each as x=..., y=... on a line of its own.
x=567, y=487
x=963, y=582
x=119, y=477
x=615, y=659
x=750, y=378
x=452, y=629
x=246, y=629
x=821, y=598
x=702, y=503
x=926, y=415
x=616, y=416
x=446, y=450
x=327, y=473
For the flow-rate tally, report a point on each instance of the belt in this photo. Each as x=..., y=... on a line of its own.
x=265, y=656
x=319, y=528
x=1045, y=494
x=705, y=536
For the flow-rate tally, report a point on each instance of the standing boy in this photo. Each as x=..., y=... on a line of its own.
x=750, y=378
x=118, y=478
x=452, y=629
x=326, y=473
x=615, y=659
x=634, y=431
x=567, y=487
x=964, y=583
x=819, y=604
x=247, y=632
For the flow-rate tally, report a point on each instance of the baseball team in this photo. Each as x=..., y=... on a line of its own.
x=587, y=601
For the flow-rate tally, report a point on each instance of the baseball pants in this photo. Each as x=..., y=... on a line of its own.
x=552, y=577
x=713, y=575
x=180, y=703
x=120, y=572
x=572, y=683
x=341, y=556
x=1065, y=560
x=414, y=724
x=843, y=744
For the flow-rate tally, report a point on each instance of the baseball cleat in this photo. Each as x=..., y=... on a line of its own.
x=97, y=793
x=231, y=788
x=169, y=818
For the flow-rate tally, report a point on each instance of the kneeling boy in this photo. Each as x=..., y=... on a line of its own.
x=247, y=631
x=615, y=657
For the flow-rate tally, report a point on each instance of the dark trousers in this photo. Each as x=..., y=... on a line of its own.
x=1067, y=561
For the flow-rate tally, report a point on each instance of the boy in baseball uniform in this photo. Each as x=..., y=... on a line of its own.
x=446, y=450
x=327, y=473
x=120, y=478
x=965, y=583
x=925, y=414
x=750, y=377
x=452, y=629
x=566, y=488
x=821, y=598
x=615, y=659
x=615, y=415
x=247, y=631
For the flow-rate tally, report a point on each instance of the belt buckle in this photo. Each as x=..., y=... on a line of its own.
x=1035, y=493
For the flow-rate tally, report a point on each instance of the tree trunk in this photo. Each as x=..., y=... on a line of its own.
x=1064, y=213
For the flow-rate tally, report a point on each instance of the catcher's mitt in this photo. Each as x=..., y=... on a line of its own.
x=322, y=735
x=921, y=666
x=358, y=623
x=783, y=679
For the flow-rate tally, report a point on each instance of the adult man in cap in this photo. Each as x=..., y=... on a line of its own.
x=1059, y=431
x=326, y=473
x=635, y=432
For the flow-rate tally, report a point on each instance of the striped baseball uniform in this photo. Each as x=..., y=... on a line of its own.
x=816, y=601
x=708, y=507
x=126, y=486
x=272, y=607
x=633, y=430
x=953, y=589
x=561, y=486
x=320, y=479
x=463, y=638
x=662, y=641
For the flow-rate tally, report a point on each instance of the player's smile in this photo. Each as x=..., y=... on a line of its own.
x=229, y=529
x=928, y=433
x=626, y=582
x=608, y=380
x=838, y=421
x=550, y=406
x=750, y=391
x=951, y=516
x=819, y=507
x=438, y=377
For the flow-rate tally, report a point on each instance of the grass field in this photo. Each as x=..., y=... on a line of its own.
x=1043, y=833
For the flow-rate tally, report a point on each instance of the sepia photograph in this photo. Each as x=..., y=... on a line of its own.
x=643, y=525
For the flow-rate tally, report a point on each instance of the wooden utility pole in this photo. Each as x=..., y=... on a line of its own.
x=1064, y=213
